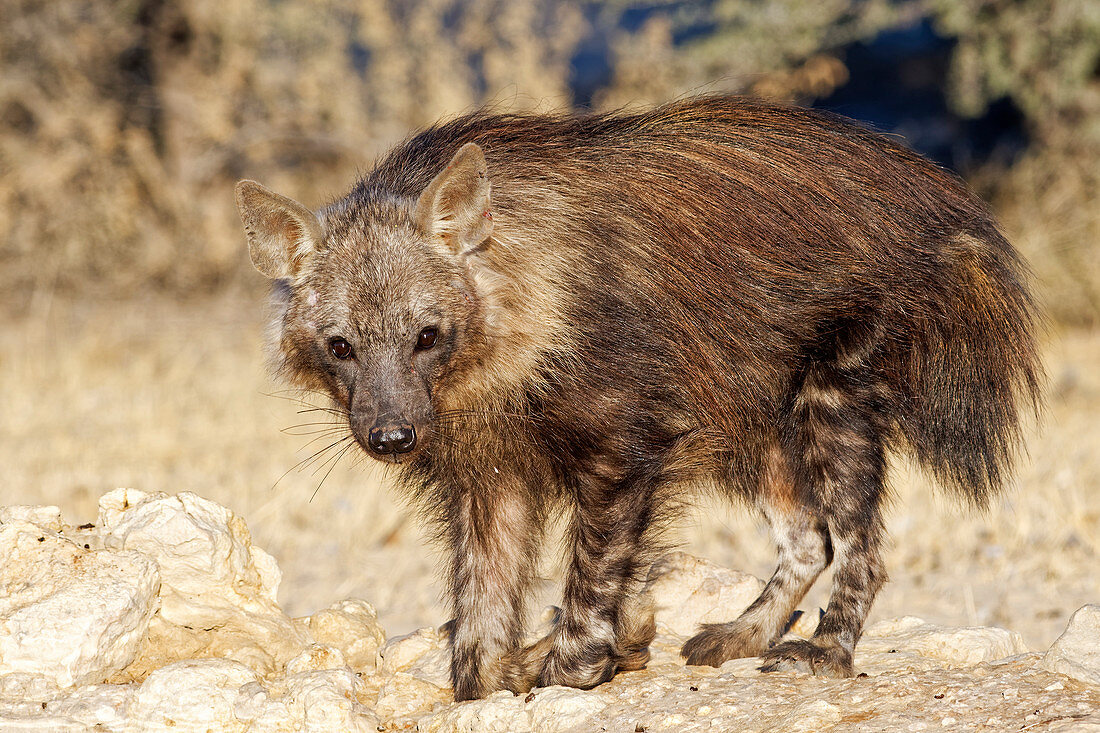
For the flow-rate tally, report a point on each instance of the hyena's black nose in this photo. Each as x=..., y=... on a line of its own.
x=388, y=439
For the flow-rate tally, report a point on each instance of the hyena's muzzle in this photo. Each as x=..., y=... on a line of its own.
x=389, y=411
x=391, y=436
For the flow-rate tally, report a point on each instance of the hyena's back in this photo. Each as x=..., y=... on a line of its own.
x=706, y=252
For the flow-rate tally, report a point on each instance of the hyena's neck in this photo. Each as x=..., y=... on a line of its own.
x=522, y=289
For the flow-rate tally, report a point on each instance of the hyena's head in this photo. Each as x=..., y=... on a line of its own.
x=378, y=306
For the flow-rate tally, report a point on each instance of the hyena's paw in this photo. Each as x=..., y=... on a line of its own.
x=597, y=663
x=822, y=657
x=583, y=671
x=524, y=665
x=637, y=629
x=717, y=643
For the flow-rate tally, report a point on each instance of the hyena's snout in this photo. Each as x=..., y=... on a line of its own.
x=387, y=415
x=384, y=433
x=390, y=437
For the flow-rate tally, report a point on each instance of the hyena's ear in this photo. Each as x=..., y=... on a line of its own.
x=455, y=205
x=281, y=232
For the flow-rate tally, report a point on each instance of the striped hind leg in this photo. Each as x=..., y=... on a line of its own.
x=803, y=549
x=838, y=433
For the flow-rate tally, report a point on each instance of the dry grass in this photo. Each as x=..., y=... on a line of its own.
x=159, y=395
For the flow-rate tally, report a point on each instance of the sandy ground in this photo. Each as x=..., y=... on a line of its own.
x=156, y=395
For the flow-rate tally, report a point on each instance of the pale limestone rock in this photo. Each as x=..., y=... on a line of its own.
x=664, y=650
x=549, y=710
x=316, y=657
x=19, y=686
x=90, y=706
x=1088, y=724
x=687, y=591
x=46, y=517
x=352, y=627
x=433, y=667
x=813, y=715
x=1076, y=653
x=69, y=614
x=543, y=624
x=320, y=701
x=403, y=698
x=217, y=589
x=806, y=623
x=951, y=647
x=501, y=712
x=192, y=695
x=563, y=708
x=207, y=695
x=327, y=700
x=400, y=652
x=44, y=723
x=422, y=654
x=336, y=673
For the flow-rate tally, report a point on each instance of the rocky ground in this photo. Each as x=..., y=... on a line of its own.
x=162, y=615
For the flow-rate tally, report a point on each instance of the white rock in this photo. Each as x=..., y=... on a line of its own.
x=217, y=589
x=45, y=723
x=193, y=695
x=352, y=627
x=890, y=626
x=501, y=712
x=1076, y=653
x=104, y=706
x=403, y=697
x=561, y=708
x=46, y=517
x=324, y=701
x=687, y=591
x=806, y=623
x=809, y=716
x=22, y=686
x=423, y=654
x=333, y=671
x=549, y=710
x=952, y=647
x=1091, y=724
x=316, y=657
x=71, y=615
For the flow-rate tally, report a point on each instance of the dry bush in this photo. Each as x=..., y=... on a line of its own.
x=1045, y=57
x=1049, y=203
x=773, y=49
x=124, y=125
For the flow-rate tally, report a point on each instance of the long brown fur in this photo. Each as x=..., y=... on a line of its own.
x=623, y=306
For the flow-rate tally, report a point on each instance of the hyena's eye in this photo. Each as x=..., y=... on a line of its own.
x=340, y=348
x=426, y=339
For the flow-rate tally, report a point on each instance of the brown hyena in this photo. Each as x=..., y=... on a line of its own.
x=530, y=313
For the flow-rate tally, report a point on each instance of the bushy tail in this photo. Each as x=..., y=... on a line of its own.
x=976, y=368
